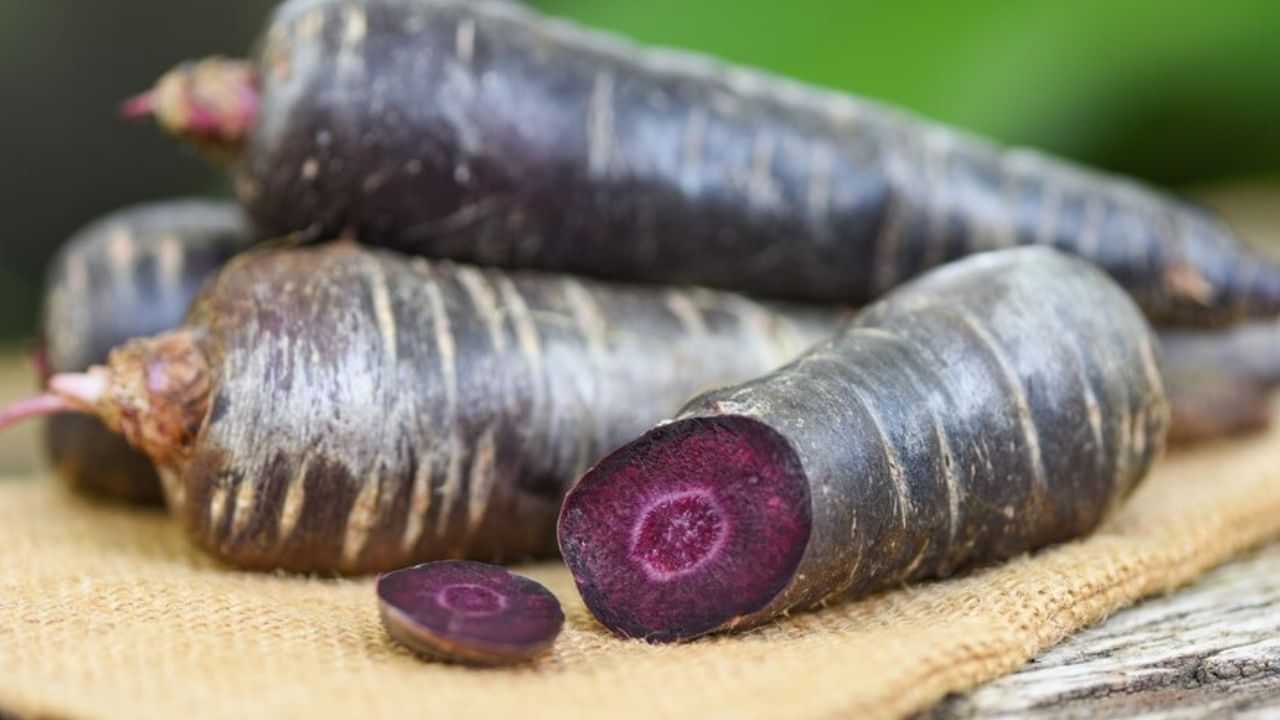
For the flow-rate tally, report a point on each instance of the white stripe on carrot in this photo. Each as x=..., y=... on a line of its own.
x=600, y=129
x=419, y=505
x=295, y=495
x=1018, y=394
x=465, y=41
x=482, y=478
x=687, y=312
x=485, y=300
x=383, y=313
x=361, y=520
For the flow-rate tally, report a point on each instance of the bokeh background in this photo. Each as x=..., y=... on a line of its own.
x=1186, y=95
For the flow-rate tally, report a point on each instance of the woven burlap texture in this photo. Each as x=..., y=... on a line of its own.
x=108, y=612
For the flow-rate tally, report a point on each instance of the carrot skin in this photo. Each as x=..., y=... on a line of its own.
x=130, y=274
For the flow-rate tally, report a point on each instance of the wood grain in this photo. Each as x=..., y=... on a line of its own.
x=1211, y=650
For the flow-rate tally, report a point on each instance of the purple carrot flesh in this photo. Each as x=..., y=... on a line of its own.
x=130, y=274
x=998, y=405
x=469, y=612
x=485, y=132
x=343, y=409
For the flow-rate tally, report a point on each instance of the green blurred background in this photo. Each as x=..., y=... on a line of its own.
x=1182, y=94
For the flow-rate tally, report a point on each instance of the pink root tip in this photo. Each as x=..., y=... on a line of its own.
x=80, y=389
x=35, y=407
x=139, y=106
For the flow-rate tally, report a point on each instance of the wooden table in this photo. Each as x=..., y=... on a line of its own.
x=1211, y=650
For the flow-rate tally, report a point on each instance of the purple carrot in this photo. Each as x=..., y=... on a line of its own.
x=336, y=408
x=486, y=132
x=992, y=407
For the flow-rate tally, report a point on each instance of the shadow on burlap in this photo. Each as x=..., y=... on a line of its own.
x=108, y=612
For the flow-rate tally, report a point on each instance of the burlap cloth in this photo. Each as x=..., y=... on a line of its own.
x=107, y=612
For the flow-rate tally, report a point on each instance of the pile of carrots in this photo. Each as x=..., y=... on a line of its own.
x=496, y=287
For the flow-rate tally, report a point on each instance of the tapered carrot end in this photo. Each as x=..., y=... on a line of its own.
x=139, y=106
x=211, y=102
x=35, y=407
x=85, y=389
x=67, y=392
x=153, y=391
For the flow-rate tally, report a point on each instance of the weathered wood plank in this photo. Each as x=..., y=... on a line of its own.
x=1212, y=650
